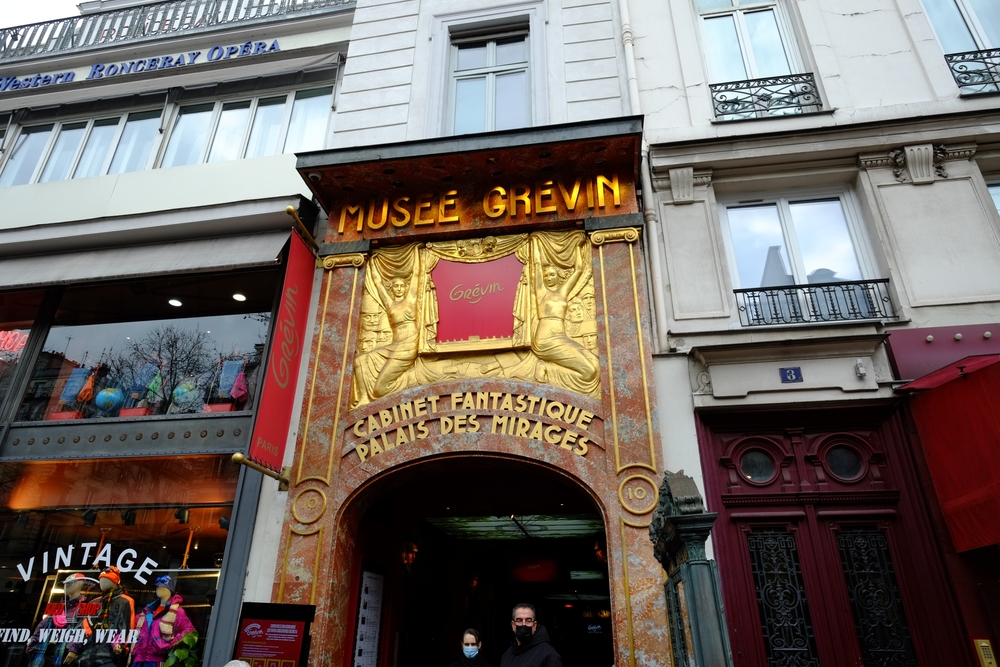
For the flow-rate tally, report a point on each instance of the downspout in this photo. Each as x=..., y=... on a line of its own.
x=649, y=203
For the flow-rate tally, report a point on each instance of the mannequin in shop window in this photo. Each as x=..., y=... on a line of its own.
x=117, y=614
x=45, y=653
x=161, y=624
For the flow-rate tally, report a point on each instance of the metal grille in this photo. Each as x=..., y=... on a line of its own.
x=976, y=72
x=878, y=609
x=781, y=596
x=774, y=96
x=822, y=302
x=147, y=21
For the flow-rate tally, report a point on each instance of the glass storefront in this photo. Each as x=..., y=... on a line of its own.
x=178, y=345
x=150, y=518
x=17, y=312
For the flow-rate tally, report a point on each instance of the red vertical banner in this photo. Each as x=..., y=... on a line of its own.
x=274, y=413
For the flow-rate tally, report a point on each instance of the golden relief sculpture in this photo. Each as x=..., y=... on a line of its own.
x=554, y=337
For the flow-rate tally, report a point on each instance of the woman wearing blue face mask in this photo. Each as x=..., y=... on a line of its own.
x=472, y=655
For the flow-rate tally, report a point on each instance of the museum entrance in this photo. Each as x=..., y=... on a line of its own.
x=453, y=544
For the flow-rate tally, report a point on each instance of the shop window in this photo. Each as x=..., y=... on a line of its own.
x=178, y=345
x=218, y=131
x=17, y=313
x=752, y=59
x=490, y=83
x=148, y=517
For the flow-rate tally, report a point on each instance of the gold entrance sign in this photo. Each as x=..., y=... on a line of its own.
x=520, y=415
x=555, y=199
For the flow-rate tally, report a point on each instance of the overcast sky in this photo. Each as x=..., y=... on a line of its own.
x=20, y=12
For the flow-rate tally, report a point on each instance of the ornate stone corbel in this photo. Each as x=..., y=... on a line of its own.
x=922, y=163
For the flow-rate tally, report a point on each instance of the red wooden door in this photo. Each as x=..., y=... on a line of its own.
x=823, y=542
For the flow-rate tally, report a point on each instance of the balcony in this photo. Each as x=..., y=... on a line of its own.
x=976, y=72
x=847, y=301
x=762, y=98
x=145, y=22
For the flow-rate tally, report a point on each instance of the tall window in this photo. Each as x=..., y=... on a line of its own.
x=490, y=83
x=965, y=25
x=746, y=39
x=787, y=241
x=995, y=194
x=217, y=131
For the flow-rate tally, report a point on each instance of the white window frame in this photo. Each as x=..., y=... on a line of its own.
x=497, y=20
x=852, y=215
x=739, y=8
x=490, y=72
x=972, y=22
x=175, y=112
x=57, y=127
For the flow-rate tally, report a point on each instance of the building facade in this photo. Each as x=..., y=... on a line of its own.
x=560, y=250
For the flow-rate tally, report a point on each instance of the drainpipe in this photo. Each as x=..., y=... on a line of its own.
x=650, y=213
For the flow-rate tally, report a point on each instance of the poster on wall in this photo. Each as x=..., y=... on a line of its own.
x=366, y=635
x=274, y=635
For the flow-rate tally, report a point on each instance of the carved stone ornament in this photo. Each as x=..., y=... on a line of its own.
x=923, y=163
x=553, y=339
x=679, y=497
x=682, y=185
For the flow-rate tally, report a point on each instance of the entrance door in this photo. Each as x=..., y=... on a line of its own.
x=824, y=543
x=456, y=543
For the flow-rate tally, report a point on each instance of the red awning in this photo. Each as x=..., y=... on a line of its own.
x=959, y=425
x=953, y=371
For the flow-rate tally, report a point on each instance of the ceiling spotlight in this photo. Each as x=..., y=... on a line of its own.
x=128, y=517
x=224, y=523
x=89, y=517
x=175, y=303
x=239, y=297
x=183, y=515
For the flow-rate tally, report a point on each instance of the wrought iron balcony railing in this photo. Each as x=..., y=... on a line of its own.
x=150, y=21
x=976, y=72
x=823, y=302
x=759, y=98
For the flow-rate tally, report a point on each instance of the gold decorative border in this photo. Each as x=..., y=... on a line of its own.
x=628, y=598
x=642, y=364
x=322, y=510
x=625, y=234
x=312, y=384
x=611, y=365
x=621, y=496
x=354, y=259
x=318, y=532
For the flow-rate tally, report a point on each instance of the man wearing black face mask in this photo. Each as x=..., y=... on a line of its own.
x=532, y=647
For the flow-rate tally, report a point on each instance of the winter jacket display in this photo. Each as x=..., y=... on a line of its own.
x=160, y=627
x=45, y=653
x=536, y=652
x=117, y=615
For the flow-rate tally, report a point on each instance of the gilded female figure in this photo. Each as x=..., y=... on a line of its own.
x=568, y=363
x=400, y=298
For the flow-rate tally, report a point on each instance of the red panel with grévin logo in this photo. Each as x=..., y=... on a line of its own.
x=476, y=300
x=267, y=446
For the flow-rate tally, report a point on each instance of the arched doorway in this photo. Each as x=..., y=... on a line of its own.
x=454, y=542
